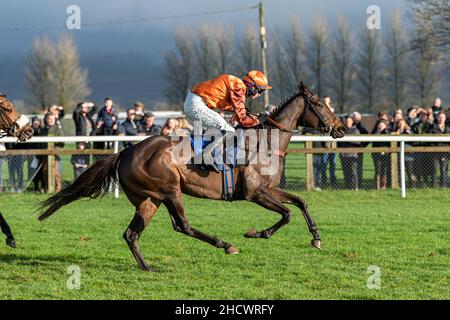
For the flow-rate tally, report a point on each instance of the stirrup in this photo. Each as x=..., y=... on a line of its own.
x=214, y=167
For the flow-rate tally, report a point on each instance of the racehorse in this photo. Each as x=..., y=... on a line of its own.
x=13, y=124
x=150, y=174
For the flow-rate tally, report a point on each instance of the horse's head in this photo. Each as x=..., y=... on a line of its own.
x=12, y=123
x=318, y=115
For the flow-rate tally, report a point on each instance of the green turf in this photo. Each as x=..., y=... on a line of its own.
x=408, y=240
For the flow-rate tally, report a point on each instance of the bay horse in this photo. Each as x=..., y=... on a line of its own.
x=12, y=124
x=150, y=174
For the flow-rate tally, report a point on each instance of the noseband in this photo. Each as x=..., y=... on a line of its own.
x=312, y=104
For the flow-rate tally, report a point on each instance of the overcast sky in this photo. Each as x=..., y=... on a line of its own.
x=142, y=36
x=152, y=39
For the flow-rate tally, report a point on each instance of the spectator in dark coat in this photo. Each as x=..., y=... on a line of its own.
x=130, y=127
x=422, y=161
x=35, y=166
x=82, y=116
x=140, y=114
x=411, y=116
x=52, y=129
x=440, y=159
x=404, y=128
x=381, y=161
x=349, y=161
x=107, y=124
x=149, y=128
x=437, y=107
x=357, y=118
x=107, y=118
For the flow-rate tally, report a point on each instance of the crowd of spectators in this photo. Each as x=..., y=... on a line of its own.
x=88, y=120
x=422, y=169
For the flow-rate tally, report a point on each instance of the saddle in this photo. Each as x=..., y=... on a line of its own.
x=226, y=163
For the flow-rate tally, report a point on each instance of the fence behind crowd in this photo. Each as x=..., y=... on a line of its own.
x=46, y=164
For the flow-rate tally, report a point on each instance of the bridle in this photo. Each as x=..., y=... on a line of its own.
x=311, y=105
x=9, y=126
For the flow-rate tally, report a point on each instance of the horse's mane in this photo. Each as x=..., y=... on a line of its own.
x=280, y=107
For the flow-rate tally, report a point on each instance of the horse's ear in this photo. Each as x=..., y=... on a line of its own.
x=308, y=93
x=303, y=89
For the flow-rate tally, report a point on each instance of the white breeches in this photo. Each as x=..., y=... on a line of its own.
x=196, y=110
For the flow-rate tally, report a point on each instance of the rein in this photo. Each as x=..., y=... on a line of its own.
x=308, y=104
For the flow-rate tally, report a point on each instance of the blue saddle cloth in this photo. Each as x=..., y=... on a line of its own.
x=199, y=143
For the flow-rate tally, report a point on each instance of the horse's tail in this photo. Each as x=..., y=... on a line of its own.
x=92, y=183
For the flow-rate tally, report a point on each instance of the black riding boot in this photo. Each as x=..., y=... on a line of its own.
x=207, y=156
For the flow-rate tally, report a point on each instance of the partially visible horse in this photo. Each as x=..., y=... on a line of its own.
x=13, y=124
x=150, y=174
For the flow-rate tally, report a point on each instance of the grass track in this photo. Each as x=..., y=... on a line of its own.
x=408, y=239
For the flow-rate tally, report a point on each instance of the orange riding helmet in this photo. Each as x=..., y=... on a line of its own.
x=256, y=79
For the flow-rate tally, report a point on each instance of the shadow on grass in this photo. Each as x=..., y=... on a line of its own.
x=55, y=261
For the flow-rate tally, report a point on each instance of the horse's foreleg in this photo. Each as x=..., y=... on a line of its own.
x=287, y=197
x=266, y=200
x=10, y=241
x=181, y=224
x=144, y=214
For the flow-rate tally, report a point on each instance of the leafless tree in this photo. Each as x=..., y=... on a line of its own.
x=424, y=66
x=342, y=69
x=432, y=17
x=396, y=58
x=248, y=51
x=288, y=61
x=249, y=58
x=206, y=54
x=54, y=75
x=280, y=74
x=224, y=48
x=369, y=69
x=38, y=73
x=295, y=54
x=69, y=79
x=317, y=52
x=179, y=67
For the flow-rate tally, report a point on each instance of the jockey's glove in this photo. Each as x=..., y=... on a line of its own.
x=262, y=117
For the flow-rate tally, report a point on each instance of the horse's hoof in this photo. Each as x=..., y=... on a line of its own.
x=149, y=269
x=251, y=233
x=11, y=243
x=316, y=243
x=231, y=250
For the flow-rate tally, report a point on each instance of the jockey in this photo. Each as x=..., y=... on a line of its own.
x=225, y=93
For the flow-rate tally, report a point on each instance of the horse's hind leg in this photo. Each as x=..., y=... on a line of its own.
x=144, y=214
x=10, y=241
x=180, y=223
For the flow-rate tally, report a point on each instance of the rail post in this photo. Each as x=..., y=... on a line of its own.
x=394, y=166
x=116, y=185
x=51, y=168
x=309, y=167
x=402, y=169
